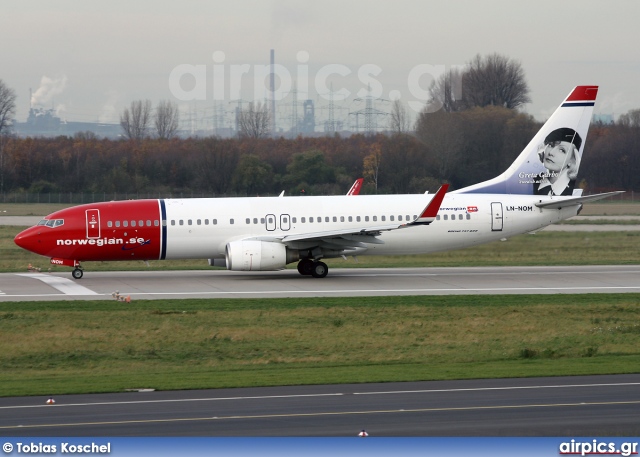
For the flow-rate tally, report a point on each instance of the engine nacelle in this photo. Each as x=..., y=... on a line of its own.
x=251, y=255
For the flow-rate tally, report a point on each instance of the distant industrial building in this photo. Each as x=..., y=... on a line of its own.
x=45, y=122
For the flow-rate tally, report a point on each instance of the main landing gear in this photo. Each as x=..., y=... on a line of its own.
x=308, y=267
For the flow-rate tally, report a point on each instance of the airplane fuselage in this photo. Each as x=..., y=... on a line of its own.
x=202, y=228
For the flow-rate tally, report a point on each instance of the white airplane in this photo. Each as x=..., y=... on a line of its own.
x=260, y=234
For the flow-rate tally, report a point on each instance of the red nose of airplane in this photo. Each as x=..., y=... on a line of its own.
x=28, y=239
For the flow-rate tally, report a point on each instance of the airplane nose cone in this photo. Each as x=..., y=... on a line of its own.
x=27, y=239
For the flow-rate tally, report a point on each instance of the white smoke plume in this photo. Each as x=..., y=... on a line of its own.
x=48, y=89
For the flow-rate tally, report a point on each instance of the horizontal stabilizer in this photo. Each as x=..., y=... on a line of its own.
x=557, y=204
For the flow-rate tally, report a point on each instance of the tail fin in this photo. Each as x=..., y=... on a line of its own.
x=550, y=162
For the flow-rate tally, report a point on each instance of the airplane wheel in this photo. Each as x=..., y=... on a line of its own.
x=320, y=270
x=77, y=273
x=305, y=267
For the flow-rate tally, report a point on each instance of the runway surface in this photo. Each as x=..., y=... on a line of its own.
x=151, y=285
x=567, y=406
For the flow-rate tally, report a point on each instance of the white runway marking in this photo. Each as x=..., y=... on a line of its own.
x=66, y=286
x=334, y=394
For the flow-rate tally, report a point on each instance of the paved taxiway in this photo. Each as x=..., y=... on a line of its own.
x=566, y=406
x=340, y=282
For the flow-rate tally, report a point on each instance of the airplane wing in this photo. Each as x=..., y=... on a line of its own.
x=353, y=238
x=355, y=189
x=564, y=202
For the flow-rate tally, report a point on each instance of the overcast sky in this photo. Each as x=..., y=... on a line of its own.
x=89, y=60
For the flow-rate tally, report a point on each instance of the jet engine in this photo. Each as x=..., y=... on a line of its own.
x=251, y=255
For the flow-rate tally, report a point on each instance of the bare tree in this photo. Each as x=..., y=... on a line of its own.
x=446, y=93
x=135, y=121
x=255, y=121
x=494, y=80
x=7, y=111
x=399, y=119
x=7, y=107
x=630, y=119
x=167, y=119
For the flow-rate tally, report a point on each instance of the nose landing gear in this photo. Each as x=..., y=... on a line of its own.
x=77, y=273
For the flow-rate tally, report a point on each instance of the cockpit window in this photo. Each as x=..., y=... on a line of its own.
x=51, y=222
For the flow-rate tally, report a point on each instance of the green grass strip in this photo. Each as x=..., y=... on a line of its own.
x=103, y=346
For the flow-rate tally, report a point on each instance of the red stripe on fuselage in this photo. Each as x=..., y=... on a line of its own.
x=135, y=241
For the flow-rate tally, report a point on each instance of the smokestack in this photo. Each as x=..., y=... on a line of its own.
x=272, y=89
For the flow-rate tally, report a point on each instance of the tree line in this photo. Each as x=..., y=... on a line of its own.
x=470, y=131
x=460, y=148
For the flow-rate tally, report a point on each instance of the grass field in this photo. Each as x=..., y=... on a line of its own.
x=64, y=347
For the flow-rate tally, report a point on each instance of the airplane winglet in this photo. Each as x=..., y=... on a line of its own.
x=355, y=189
x=429, y=214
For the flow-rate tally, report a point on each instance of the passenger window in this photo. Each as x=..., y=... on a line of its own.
x=109, y=224
x=231, y=221
x=459, y=217
x=199, y=222
x=173, y=222
x=438, y=217
x=400, y=218
x=468, y=216
x=248, y=221
x=326, y=219
x=335, y=219
x=446, y=217
x=350, y=218
x=366, y=218
x=133, y=223
x=357, y=218
x=206, y=222
x=181, y=222
x=341, y=218
x=383, y=218
x=375, y=218
x=189, y=222
x=311, y=220
x=117, y=223
x=262, y=220
x=303, y=220
x=148, y=223
x=294, y=220
x=125, y=223
x=214, y=222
